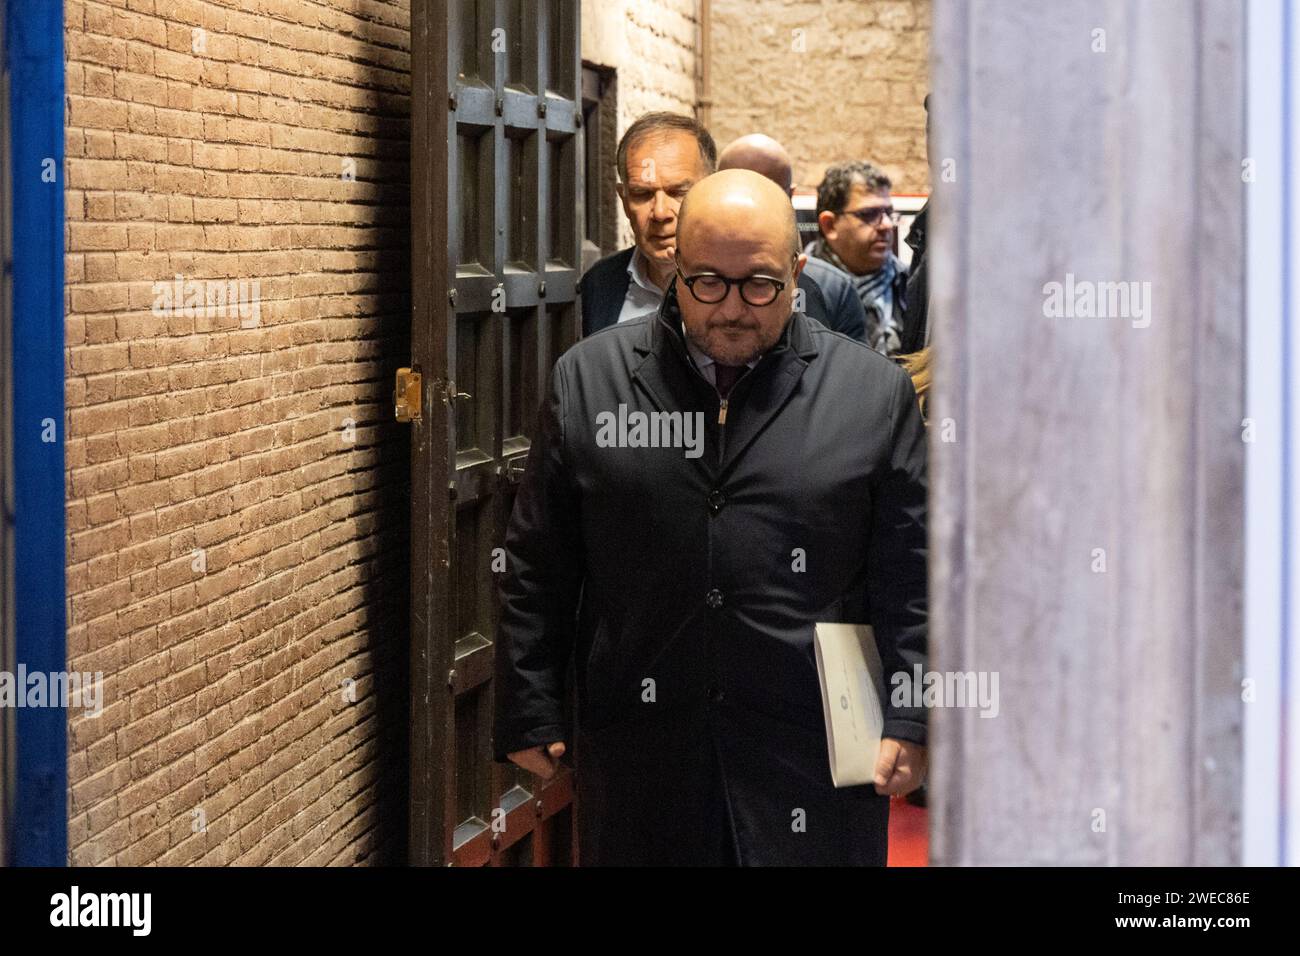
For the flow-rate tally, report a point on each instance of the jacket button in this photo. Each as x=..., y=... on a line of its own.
x=714, y=598
x=716, y=498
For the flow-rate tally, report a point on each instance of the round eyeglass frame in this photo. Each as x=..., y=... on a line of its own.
x=778, y=285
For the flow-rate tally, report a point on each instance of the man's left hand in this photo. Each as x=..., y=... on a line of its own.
x=900, y=768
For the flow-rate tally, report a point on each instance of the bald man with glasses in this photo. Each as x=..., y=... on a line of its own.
x=705, y=484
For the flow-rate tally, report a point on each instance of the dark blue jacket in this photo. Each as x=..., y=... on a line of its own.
x=829, y=296
x=648, y=568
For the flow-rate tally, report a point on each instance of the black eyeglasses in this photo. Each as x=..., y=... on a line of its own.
x=872, y=216
x=711, y=288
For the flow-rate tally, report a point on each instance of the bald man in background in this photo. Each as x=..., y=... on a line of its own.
x=829, y=294
x=704, y=485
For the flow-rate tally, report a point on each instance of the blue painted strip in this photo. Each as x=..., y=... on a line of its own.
x=34, y=57
x=1288, y=409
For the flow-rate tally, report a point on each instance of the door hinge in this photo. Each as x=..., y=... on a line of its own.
x=408, y=395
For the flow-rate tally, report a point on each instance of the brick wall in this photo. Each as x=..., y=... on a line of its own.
x=831, y=79
x=237, y=492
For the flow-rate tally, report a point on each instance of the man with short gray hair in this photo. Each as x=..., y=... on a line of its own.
x=659, y=158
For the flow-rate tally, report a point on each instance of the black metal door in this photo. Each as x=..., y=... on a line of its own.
x=496, y=219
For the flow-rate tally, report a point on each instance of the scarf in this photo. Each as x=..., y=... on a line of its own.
x=876, y=290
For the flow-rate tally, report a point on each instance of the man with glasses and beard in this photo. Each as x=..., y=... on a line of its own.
x=857, y=223
x=685, y=587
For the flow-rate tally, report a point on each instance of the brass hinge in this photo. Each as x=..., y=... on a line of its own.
x=408, y=396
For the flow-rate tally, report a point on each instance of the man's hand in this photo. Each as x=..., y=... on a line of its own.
x=541, y=760
x=900, y=768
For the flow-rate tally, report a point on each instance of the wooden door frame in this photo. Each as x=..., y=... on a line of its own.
x=430, y=652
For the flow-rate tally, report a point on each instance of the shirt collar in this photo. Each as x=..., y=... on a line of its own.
x=636, y=268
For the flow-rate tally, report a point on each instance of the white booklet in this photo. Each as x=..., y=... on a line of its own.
x=848, y=667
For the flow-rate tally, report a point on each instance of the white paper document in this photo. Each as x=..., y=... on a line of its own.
x=853, y=687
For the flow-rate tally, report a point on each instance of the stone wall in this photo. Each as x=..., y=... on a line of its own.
x=831, y=79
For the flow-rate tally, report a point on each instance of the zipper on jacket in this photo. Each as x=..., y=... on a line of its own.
x=722, y=410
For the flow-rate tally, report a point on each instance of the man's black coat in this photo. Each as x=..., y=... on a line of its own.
x=688, y=589
x=916, y=307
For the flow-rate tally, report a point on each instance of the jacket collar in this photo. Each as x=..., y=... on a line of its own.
x=916, y=234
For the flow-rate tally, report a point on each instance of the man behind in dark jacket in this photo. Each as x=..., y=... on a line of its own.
x=916, y=311
x=829, y=296
x=659, y=158
x=704, y=486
